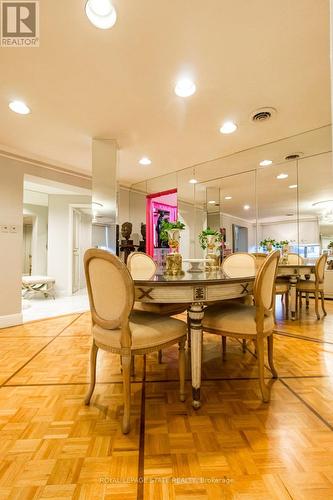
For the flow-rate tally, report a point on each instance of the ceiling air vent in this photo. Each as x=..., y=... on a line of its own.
x=262, y=115
x=293, y=156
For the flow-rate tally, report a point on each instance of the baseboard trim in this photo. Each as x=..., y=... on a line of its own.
x=11, y=320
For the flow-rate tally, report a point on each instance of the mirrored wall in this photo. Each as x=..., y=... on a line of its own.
x=280, y=192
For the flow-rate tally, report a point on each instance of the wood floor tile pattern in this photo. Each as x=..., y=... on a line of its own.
x=235, y=446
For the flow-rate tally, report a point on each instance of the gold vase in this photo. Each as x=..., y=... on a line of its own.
x=174, y=265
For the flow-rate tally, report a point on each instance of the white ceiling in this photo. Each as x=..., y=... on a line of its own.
x=83, y=82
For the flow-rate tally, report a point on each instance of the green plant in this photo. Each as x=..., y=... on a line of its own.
x=266, y=242
x=208, y=232
x=167, y=225
x=330, y=245
x=281, y=244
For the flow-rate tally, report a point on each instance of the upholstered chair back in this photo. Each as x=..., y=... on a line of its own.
x=320, y=268
x=238, y=265
x=260, y=259
x=110, y=289
x=294, y=259
x=141, y=266
x=264, y=284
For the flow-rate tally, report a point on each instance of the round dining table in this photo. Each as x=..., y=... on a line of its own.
x=198, y=290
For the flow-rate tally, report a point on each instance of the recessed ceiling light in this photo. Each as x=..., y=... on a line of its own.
x=228, y=197
x=228, y=128
x=292, y=186
x=193, y=181
x=324, y=203
x=97, y=204
x=212, y=202
x=185, y=87
x=265, y=163
x=246, y=207
x=145, y=161
x=101, y=13
x=19, y=107
x=282, y=176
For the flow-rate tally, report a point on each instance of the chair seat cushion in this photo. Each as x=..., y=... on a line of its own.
x=309, y=285
x=235, y=318
x=162, y=309
x=148, y=330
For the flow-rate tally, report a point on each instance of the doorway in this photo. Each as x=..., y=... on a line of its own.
x=239, y=238
x=159, y=207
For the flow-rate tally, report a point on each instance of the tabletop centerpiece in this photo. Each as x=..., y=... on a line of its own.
x=170, y=232
x=210, y=240
x=268, y=244
x=284, y=247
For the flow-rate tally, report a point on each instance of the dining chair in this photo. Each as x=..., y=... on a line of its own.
x=255, y=322
x=315, y=286
x=142, y=267
x=238, y=265
x=260, y=258
x=295, y=259
x=118, y=329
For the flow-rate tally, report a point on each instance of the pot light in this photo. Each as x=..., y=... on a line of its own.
x=193, y=181
x=228, y=197
x=282, y=176
x=246, y=207
x=212, y=202
x=228, y=128
x=323, y=204
x=265, y=163
x=19, y=107
x=185, y=87
x=292, y=186
x=145, y=161
x=101, y=13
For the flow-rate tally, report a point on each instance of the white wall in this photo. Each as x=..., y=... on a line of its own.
x=11, y=210
x=288, y=230
x=59, y=258
x=39, y=237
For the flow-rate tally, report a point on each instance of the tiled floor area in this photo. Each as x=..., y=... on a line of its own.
x=235, y=446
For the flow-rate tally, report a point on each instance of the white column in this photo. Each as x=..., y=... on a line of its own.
x=104, y=193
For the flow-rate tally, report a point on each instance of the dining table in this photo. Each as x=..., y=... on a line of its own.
x=199, y=289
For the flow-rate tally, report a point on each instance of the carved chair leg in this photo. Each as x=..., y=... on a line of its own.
x=182, y=368
x=224, y=347
x=322, y=295
x=287, y=305
x=93, y=356
x=270, y=356
x=159, y=356
x=307, y=301
x=244, y=345
x=126, y=363
x=261, y=367
x=188, y=332
x=317, y=304
x=300, y=297
x=133, y=366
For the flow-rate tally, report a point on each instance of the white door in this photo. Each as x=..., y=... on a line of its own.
x=27, y=249
x=76, y=251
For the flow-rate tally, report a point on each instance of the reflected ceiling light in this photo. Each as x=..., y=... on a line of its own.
x=145, y=161
x=228, y=128
x=323, y=204
x=246, y=207
x=19, y=107
x=212, y=202
x=265, y=163
x=101, y=13
x=228, y=197
x=193, y=181
x=97, y=204
x=282, y=176
x=185, y=87
x=292, y=186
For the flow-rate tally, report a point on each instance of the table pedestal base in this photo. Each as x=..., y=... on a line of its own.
x=196, y=315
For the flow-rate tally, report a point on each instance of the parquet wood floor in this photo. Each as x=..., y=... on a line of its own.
x=235, y=446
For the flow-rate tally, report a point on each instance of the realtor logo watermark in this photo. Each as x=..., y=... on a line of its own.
x=19, y=23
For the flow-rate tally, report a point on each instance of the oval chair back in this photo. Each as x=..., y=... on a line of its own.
x=239, y=265
x=110, y=289
x=264, y=285
x=260, y=259
x=141, y=266
x=320, y=268
x=294, y=259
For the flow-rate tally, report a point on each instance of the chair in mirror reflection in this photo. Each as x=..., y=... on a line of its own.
x=120, y=330
x=314, y=286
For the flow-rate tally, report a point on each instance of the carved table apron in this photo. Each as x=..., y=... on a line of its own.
x=198, y=292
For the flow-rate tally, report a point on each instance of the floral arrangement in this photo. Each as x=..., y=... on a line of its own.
x=167, y=226
x=267, y=243
x=203, y=240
